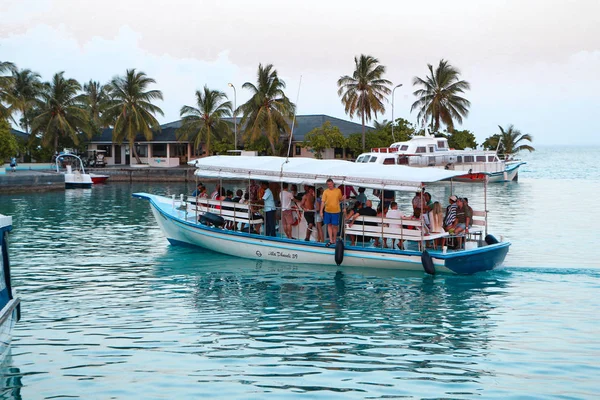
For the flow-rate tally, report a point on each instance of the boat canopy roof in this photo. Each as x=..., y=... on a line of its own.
x=312, y=171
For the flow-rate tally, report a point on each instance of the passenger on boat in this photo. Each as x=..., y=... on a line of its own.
x=318, y=218
x=215, y=195
x=308, y=206
x=393, y=213
x=268, y=202
x=462, y=221
x=450, y=218
x=367, y=211
x=201, y=189
x=361, y=196
x=348, y=190
x=330, y=210
x=469, y=211
x=238, y=196
x=388, y=197
x=418, y=200
x=436, y=223
x=287, y=217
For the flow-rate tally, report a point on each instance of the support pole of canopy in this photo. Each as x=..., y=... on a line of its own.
x=485, y=182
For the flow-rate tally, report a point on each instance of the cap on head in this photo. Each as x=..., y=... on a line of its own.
x=453, y=198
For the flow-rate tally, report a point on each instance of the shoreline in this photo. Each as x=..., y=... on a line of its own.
x=47, y=180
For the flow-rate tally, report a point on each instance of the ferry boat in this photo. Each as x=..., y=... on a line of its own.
x=433, y=152
x=10, y=310
x=202, y=222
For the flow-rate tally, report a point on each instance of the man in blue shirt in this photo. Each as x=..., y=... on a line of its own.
x=269, y=206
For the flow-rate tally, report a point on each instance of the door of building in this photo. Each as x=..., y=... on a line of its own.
x=117, y=154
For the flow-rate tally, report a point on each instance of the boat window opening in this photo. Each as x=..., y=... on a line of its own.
x=403, y=160
x=491, y=158
x=107, y=149
x=142, y=150
x=440, y=144
x=421, y=149
x=480, y=158
x=360, y=159
x=459, y=159
x=431, y=149
x=404, y=147
x=373, y=159
x=159, y=150
x=389, y=161
x=431, y=161
x=469, y=159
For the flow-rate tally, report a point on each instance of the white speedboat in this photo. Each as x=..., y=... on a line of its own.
x=433, y=152
x=75, y=176
x=203, y=222
x=10, y=311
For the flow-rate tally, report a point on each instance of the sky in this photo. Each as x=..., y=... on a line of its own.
x=531, y=63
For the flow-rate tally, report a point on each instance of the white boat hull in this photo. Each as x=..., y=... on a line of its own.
x=180, y=228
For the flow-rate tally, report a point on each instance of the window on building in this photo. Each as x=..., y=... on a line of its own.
x=107, y=148
x=179, y=149
x=338, y=152
x=389, y=161
x=298, y=150
x=142, y=150
x=421, y=149
x=159, y=150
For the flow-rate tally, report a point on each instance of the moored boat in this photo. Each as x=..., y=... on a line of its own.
x=75, y=176
x=9, y=302
x=97, y=178
x=202, y=222
x=433, y=152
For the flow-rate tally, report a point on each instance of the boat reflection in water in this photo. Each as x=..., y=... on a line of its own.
x=310, y=321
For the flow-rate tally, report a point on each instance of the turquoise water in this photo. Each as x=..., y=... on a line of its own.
x=110, y=310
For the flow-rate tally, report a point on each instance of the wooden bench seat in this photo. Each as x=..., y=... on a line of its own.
x=230, y=211
x=383, y=229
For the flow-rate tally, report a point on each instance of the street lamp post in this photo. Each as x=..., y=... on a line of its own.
x=234, y=117
x=397, y=86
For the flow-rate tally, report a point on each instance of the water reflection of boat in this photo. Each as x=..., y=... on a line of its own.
x=10, y=304
x=197, y=223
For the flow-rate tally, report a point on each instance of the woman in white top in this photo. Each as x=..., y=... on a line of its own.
x=436, y=221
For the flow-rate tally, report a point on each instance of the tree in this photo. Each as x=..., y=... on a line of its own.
x=439, y=98
x=206, y=121
x=508, y=142
x=363, y=93
x=9, y=146
x=461, y=140
x=96, y=99
x=6, y=84
x=26, y=88
x=62, y=113
x=268, y=110
x=130, y=108
x=325, y=137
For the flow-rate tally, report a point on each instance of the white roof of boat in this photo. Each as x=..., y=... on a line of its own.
x=312, y=171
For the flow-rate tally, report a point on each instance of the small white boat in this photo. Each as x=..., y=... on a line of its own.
x=433, y=152
x=10, y=311
x=75, y=176
x=202, y=222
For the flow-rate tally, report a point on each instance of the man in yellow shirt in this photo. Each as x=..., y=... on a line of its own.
x=330, y=210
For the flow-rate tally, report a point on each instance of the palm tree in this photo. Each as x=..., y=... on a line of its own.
x=201, y=123
x=510, y=141
x=26, y=88
x=6, y=83
x=96, y=98
x=130, y=108
x=268, y=110
x=439, y=98
x=61, y=112
x=363, y=93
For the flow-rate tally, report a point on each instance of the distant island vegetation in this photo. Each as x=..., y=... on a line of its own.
x=63, y=113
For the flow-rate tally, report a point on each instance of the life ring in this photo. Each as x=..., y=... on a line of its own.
x=427, y=262
x=339, y=252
